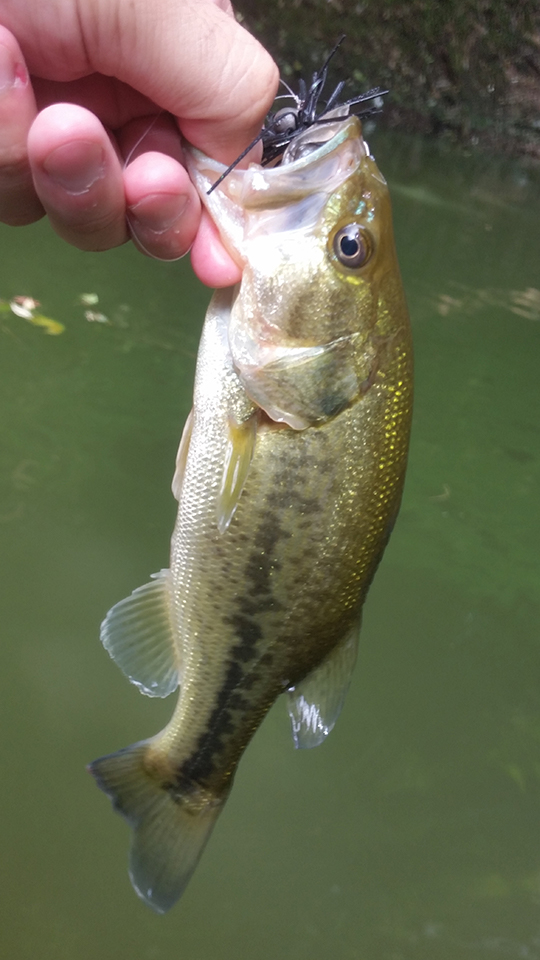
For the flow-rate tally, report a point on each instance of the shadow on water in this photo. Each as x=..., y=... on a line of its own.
x=414, y=833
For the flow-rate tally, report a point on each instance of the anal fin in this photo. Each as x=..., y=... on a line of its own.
x=139, y=635
x=316, y=702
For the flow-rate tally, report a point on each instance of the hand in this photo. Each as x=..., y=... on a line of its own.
x=94, y=95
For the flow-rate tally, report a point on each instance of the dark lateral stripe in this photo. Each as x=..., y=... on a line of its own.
x=232, y=703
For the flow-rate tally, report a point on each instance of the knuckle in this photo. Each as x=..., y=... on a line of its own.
x=21, y=215
x=91, y=233
x=15, y=174
x=19, y=204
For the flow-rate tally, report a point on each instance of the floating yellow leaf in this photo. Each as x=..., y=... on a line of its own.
x=52, y=327
x=24, y=307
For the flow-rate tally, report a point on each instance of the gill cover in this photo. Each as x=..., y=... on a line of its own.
x=277, y=224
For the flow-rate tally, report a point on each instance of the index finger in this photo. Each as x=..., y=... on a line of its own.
x=18, y=201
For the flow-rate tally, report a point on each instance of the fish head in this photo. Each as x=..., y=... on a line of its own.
x=314, y=239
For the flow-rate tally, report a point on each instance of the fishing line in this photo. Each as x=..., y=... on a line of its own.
x=133, y=233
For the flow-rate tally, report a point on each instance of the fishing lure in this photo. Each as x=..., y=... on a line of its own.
x=287, y=123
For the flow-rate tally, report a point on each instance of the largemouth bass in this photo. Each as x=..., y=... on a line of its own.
x=289, y=478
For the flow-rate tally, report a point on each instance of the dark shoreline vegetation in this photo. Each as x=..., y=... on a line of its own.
x=464, y=70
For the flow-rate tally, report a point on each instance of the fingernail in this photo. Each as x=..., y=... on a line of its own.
x=76, y=166
x=158, y=212
x=12, y=73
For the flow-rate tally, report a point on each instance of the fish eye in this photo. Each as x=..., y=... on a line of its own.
x=352, y=246
x=285, y=121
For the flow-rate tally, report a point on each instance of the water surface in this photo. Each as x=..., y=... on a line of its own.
x=414, y=832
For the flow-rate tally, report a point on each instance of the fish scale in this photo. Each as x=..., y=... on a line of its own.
x=289, y=478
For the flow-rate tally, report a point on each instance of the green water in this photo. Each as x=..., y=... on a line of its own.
x=414, y=832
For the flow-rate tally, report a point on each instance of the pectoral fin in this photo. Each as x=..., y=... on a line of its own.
x=139, y=635
x=181, y=457
x=316, y=702
x=240, y=446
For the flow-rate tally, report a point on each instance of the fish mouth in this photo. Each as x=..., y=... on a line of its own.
x=314, y=165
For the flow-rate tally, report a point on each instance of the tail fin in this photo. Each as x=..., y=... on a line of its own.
x=169, y=832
